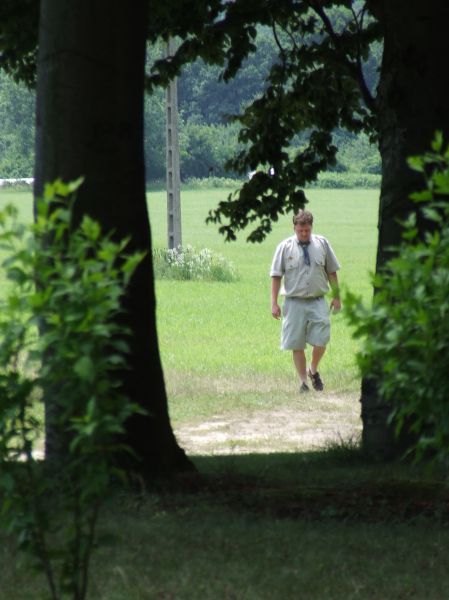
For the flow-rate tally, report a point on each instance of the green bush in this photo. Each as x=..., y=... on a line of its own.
x=335, y=180
x=205, y=148
x=185, y=262
x=196, y=183
x=406, y=331
x=327, y=179
x=16, y=129
x=69, y=284
x=357, y=153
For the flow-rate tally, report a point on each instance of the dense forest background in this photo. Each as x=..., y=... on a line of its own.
x=208, y=136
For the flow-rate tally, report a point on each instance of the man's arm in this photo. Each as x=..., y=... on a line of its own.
x=275, y=287
x=333, y=280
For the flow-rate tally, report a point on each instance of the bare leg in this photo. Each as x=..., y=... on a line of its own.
x=317, y=355
x=299, y=358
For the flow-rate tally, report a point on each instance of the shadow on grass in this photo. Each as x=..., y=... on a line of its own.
x=263, y=526
x=336, y=483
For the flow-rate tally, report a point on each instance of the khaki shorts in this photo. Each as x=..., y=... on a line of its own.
x=305, y=321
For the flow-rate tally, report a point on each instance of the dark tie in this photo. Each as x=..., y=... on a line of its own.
x=305, y=250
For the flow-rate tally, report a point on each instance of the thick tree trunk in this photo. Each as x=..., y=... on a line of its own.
x=411, y=107
x=90, y=123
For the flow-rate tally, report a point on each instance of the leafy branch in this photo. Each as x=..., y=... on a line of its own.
x=60, y=335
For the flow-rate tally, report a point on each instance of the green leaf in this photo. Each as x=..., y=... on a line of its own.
x=90, y=228
x=84, y=368
x=18, y=275
x=423, y=196
x=116, y=359
x=74, y=185
x=416, y=163
x=441, y=181
x=57, y=188
x=437, y=142
x=431, y=214
x=132, y=262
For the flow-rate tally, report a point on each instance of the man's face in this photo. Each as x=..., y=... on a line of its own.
x=303, y=232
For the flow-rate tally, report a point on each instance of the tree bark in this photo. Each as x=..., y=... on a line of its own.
x=90, y=123
x=411, y=105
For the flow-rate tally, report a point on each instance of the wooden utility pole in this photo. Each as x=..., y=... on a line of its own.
x=173, y=167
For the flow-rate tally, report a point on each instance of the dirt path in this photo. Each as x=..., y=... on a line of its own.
x=329, y=419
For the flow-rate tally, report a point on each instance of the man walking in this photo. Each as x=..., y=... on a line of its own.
x=308, y=265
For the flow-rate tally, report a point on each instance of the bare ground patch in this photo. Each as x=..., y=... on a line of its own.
x=312, y=422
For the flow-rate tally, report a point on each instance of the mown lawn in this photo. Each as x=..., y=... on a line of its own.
x=212, y=334
x=219, y=343
x=215, y=335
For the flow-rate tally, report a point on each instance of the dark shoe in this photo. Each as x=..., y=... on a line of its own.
x=304, y=388
x=317, y=384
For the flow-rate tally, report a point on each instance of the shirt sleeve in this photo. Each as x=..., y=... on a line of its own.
x=332, y=265
x=277, y=266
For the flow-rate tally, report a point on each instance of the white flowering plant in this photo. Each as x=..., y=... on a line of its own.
x=185, y=262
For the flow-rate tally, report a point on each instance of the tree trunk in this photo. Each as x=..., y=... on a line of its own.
x=411, y=107
x=90, y=123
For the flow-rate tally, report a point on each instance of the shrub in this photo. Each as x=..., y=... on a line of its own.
x=212, y=182
x=357, y=153
x=69, y=283
x=206, y=148
x=185, y=262
x=347, y=180
x=406, y=331
x=327, y=179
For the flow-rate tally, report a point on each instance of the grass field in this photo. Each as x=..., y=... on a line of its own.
x=225, y=329
x=219, y=343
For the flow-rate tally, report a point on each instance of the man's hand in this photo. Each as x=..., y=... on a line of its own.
x=276, y=311
x=275, y=287
x=335, y=304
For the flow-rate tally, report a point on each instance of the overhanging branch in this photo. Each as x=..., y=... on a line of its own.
x=354, y=69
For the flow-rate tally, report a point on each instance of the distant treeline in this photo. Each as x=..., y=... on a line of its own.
x=208, y=137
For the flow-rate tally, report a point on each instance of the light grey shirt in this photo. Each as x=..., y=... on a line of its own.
x=300, y=279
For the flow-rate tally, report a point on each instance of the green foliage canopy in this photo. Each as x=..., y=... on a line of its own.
x=281, y=63
x=18, y=38
x=317, y=84
x=16, y=129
